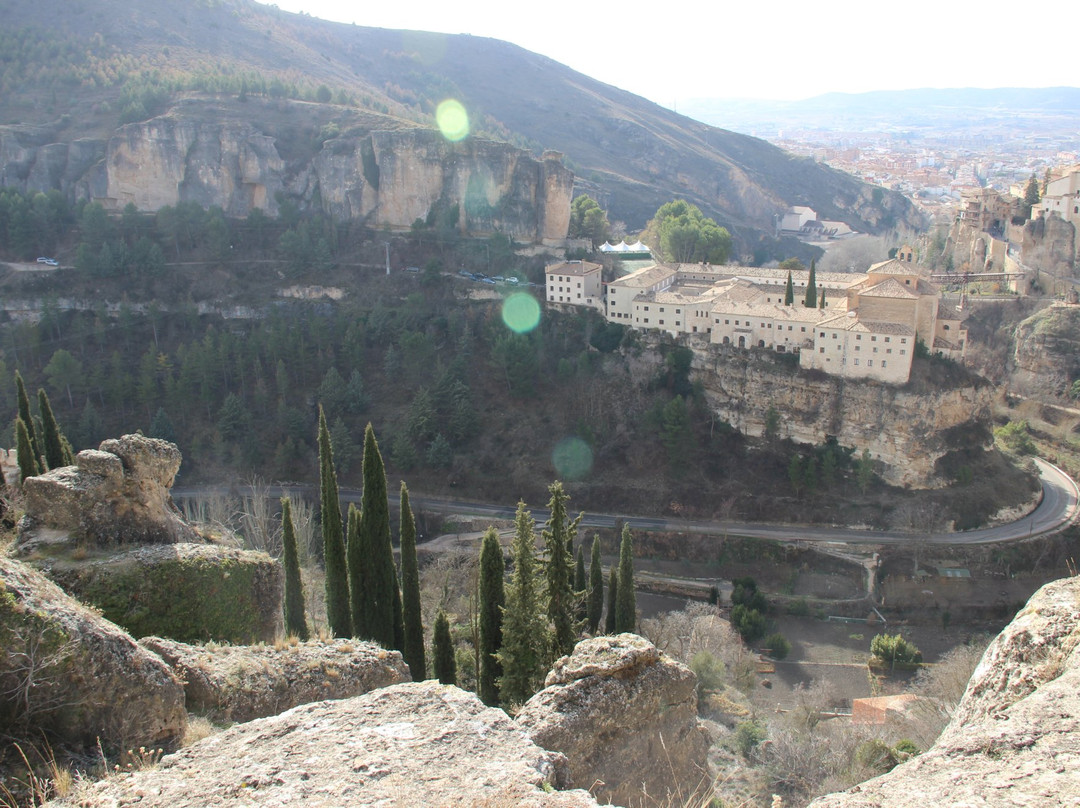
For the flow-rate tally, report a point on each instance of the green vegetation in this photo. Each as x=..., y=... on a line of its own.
x=338, y=615
x=295, y=619
x=778, y=645
x=681, y=233
x=612, y=596
x=595, y=604
x=1015, y=437
x=412, y=619
x=523, y=631
x=892, y=650
x=588, y=220
x=372, y=578
x=811, y=287
x=492, y=604
x=625, y=598
x=443, y=651
x=558, y=539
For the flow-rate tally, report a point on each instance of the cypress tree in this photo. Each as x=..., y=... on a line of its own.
x=337, y=576
x=28, y=466
x=811, y=287
x=821, y=303
x=442, y=649
x=492, y=603
x=52, y=439
x=789, y=291
x=295, y=622
x=625, y=604
x=558, y=537
x=412, y=620
x=581, y=613
x=378, y=562
x=612, y=596
x=596, y=588
x=28, y=419
x=523, y=640
x=357, y=584
x=399, y=621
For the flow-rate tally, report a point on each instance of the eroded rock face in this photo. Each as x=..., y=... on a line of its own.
x=115, y=495
x=232, y=683
x=66, y=671
x=625, y=715
x=415, y=744
x=1015, y=738
x=1047, y=353
x=188, y=592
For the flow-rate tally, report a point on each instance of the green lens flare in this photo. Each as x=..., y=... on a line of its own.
x=452, y=119
x=572, y=458
x=521, y=312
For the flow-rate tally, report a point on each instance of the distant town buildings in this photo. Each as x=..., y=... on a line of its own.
x=802, y=222
x=865, y=326
x=1062, y=196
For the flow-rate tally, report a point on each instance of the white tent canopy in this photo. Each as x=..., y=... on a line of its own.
x=623, y=247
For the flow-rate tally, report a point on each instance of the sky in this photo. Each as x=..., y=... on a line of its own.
x=781, y=49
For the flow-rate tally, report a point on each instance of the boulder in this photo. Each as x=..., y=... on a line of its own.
x=186, y=592
x=415, y=744
x=233, y=683
x=625, y=715
x=66, y=671
x=115, y=495
x=1015, y=737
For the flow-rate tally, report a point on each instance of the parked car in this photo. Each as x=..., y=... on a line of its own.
x=52, y=262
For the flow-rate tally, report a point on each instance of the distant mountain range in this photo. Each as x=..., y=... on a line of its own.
x=941, y=111
x=80, y=68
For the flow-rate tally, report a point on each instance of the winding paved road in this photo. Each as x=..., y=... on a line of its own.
x=1057, y=509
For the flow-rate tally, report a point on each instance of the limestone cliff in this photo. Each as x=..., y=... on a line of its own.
x=1015, y=737
x=905, y=428
x=1047, y=352
x=207, y=153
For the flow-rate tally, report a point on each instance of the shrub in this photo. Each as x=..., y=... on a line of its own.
x=893, y=650
x=747, y=737
x=750, y=623
x=710, y=673
x=778, y=645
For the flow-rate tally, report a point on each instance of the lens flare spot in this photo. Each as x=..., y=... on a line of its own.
x=572, y=458
x=521, y=312
x=452, y=119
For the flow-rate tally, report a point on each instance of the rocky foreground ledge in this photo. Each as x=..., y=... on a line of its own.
x=415, y=744
x=1015, y=738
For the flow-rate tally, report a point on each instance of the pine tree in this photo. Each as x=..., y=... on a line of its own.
x=337, y=576
x=295, y=621
x=612, y=596
x=28, y=466
x=581, y=613
x=378, y=563
x=492, y=603
x=811, y=286
x=28, y=419
x=52, y=439
x=596, y=588
x=625, y=605
x=442, y=649
x=789, y=291
x=558, y=537
x=523, y=640
x=412, y=619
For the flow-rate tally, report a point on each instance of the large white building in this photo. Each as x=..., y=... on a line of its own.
x=867, y=328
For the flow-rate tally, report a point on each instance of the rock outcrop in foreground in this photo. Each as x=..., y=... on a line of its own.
x=117, y=494
x=413, y=744
x=233, y=683
x=107, y=532
x=1015, y=737
x=625, y=715
x=66, y=671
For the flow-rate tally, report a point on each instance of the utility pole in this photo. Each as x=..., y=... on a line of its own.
x=387, y=245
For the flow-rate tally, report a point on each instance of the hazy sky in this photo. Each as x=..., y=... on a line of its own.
x=778, y=49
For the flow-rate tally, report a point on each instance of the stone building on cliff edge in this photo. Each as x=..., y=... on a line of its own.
x=867, y=329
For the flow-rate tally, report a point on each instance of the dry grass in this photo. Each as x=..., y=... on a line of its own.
x=198, y=727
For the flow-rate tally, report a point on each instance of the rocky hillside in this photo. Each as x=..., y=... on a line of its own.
x=79, y=70
x=1015, y=730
